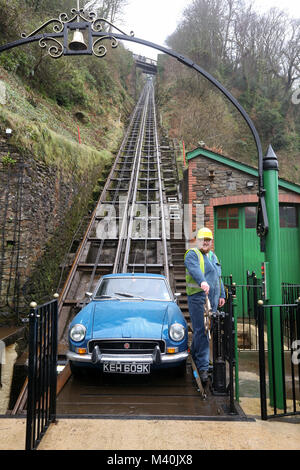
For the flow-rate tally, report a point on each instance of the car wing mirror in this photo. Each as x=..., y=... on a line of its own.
x=89, y=295
x=176, y=295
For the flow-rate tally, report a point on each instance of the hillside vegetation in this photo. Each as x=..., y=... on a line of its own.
x=257, y=58
x=62, y=95
x=49, y=104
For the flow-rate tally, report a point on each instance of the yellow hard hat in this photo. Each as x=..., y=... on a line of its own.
x=205, y=233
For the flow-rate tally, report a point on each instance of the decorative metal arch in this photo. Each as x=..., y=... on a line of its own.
x=93, y=27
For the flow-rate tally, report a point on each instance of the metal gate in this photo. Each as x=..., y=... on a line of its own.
x=224, y=352
x=42, y=372
x=279, y=366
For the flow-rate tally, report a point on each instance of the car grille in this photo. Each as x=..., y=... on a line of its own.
x=135, y=346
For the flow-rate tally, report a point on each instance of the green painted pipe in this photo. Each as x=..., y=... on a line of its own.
x=273, y=258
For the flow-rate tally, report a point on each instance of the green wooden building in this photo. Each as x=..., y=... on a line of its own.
x=228, y=191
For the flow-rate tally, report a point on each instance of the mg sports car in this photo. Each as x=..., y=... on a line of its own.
x=132, y=325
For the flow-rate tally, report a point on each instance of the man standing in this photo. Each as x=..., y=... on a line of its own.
x=203, y=277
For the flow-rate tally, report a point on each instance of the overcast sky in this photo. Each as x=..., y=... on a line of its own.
x=154, y=20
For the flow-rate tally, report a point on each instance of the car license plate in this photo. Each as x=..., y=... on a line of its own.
x=126, y=368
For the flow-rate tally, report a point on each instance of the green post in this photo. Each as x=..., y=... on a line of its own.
x=273, y=257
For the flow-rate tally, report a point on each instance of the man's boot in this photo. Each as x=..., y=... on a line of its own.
x=203, y=376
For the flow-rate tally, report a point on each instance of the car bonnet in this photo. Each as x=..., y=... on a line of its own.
x=129, y=319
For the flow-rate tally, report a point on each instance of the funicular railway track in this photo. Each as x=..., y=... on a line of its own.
x=132, y=229
x=127, y=231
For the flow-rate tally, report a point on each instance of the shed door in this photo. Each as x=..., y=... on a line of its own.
x=290, y=243
x=236, y=242
x=238, y=247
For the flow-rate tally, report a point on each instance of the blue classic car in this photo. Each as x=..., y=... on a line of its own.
x=131, y=326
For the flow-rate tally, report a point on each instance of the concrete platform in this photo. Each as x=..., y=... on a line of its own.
x=99, y=434
x=133, y=434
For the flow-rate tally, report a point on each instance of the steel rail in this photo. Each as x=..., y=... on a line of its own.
x=135, y=181
x=150, y=135
x=147, y=171
x=123, y=232
x=163, y=221
x=116, y=192
x=73, y=270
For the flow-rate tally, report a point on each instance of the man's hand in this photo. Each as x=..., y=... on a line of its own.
x=205, y=287
x=221, y=302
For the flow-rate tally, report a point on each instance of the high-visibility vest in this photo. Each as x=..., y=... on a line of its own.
x=191, y=285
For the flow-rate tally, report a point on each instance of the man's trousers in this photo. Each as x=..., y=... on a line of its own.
x=200, y=344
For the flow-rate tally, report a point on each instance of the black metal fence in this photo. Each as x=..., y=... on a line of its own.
x=246, y=299
x=282, y=367
x=245, y=302
x=42, y=372
x=223, y=333
x=290, y=293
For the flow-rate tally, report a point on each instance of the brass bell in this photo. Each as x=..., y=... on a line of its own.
x=78, y=44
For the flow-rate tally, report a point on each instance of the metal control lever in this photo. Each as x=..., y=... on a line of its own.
x=207, y=317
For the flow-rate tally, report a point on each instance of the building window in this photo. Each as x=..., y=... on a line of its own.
x=288, y=216
x=228, y=217
x=250, y=216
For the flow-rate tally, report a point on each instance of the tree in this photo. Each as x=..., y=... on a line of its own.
x=256, y=56
x=110, y=10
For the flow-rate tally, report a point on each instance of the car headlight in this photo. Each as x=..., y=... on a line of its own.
x=77, y=333
x=177, y=332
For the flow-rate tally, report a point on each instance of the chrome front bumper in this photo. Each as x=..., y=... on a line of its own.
x=128, y=358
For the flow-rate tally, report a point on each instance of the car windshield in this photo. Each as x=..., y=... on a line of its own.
x=145, y=288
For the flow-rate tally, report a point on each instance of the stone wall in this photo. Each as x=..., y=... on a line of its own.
x=10, y=173
x=215, y=184
x=40, y=208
